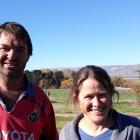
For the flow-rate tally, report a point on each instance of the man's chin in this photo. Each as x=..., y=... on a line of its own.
x=11, y=73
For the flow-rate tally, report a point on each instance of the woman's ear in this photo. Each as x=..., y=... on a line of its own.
x=75, y=97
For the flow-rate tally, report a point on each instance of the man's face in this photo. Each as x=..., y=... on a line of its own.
x=13, y=55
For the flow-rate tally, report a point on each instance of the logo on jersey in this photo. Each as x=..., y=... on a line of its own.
x=34, y=116
x=16, y=135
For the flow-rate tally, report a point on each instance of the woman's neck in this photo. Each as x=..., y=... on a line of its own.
x=95, y=129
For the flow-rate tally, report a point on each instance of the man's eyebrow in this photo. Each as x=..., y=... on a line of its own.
x=15, y=46
x=4, y=45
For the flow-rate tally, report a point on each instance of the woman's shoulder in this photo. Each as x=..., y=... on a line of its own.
x=73, y=123
x=128, y=119
x=126, y=126
x=70, y=129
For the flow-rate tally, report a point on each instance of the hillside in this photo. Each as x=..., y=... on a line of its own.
x=126, y=71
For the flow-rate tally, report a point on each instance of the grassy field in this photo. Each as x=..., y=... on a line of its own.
x=65, y=112
x=135, y=80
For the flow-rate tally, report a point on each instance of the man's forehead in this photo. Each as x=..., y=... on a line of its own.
x=10, y=35
x=9, y=38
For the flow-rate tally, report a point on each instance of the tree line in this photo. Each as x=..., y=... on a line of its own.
x=51, y=78
x=63, y=79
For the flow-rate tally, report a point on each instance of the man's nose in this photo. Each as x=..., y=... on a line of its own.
x=12, y=54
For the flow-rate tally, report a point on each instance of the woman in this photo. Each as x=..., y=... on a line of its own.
x=93, y=90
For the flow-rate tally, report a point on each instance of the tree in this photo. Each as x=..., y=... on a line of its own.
x=36, y=76
x=28, y=75
x=49, y=75
x=138, y=73
x=73, y=74
x=59, y=75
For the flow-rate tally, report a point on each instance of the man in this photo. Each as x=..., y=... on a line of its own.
x=25, y=111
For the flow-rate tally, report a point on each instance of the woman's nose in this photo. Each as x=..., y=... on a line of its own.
x=95, y=101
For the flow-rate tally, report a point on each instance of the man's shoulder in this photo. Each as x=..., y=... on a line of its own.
x=39, y=92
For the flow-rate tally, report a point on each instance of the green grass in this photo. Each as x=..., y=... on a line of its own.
x=126, y=107
x=126, y=96
x=65, y=112
x=61, y=121
x=135, y=80
x=59, y=95
x=59, y=98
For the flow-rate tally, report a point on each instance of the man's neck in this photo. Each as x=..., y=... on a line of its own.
x=11, y=83
x=10, y=90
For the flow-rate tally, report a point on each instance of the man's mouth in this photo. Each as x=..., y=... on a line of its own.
x=10, y=64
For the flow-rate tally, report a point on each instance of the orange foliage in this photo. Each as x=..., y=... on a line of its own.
x=66, y=83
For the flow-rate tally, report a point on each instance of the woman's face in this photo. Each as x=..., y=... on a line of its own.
x=94, y=101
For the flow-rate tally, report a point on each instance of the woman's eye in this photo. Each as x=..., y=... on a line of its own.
x=89, y=97
x=102, y=95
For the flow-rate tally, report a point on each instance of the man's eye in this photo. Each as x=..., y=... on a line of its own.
x=20, y=50
x=5, y=49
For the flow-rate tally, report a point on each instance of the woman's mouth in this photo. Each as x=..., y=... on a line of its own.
x=100, y=109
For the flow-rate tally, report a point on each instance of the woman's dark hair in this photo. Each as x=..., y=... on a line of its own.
x=18, y=31
x=94, y=72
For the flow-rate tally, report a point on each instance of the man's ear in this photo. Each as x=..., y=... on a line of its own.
x=28, y=58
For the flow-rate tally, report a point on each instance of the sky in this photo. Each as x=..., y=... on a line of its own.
x=75, y=33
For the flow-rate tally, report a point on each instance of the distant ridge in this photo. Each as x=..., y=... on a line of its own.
x=126, y=71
